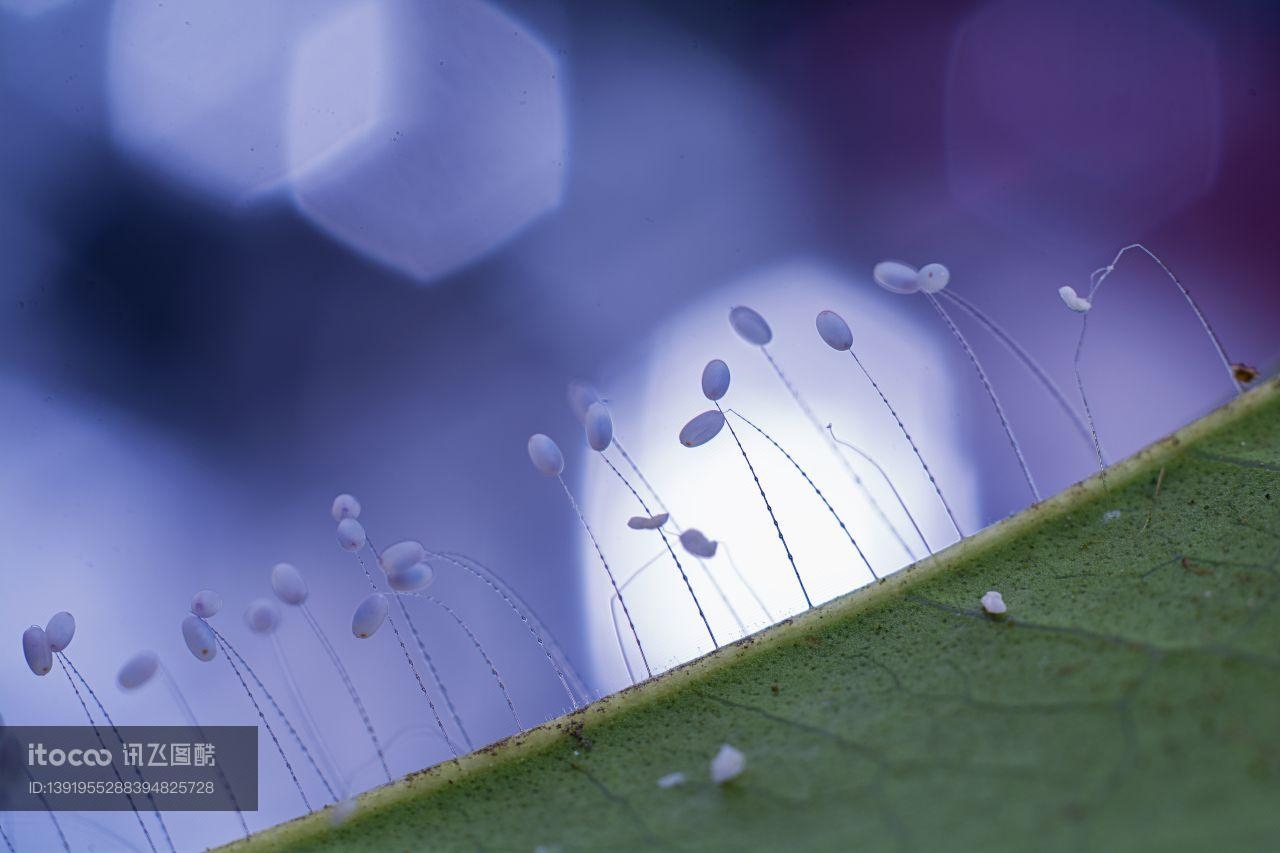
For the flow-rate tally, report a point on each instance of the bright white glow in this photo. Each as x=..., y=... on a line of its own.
x=709, y=487
x=462, y=145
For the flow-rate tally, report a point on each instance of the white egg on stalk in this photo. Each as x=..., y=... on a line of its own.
x=262, y=616
x=715, y=380
x=642, y=522
x=206, y=603
x=412, y=578
x=697, y=544
x=702, y=428
x=834, y=331
x=36, y=650
x=896, y=277
x=369, y=616
x=345, y=506
x=599, y=426
x=581, y=395
x=933, y=277
x=750, y=326
x=60, y=630
x=351, y=535
x=199, y=638
x=545, y=455
x=401, y=555
x=288, y=584
x=138, y=670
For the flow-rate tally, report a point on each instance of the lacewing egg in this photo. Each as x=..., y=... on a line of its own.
x=715, y=379
x=896, y=277
x=834, y=331
x=206, y=603
x=697, y=544
x=727, y=765
x=288, y=584
x=199, y=638
x=545, y=455
x=702, y=428
x=993, y=603
x=1072, y=300
x=345, y=506
x=262, y=616
x=581, y=395
x=412, y=578
x=599, y=426
x=37, y=651
x=933, y=277
x=369, y=616
x=750, y=326
x=402, y=555
x=641, y=522
x=351, y=534
x=60, y=630
x=138, y=670
x=342, y=811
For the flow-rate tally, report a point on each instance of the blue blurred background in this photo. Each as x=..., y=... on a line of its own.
x=256, y=254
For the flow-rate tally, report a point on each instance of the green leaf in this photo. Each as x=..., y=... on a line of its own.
x=1130, y=700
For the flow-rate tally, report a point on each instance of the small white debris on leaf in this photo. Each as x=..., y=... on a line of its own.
x=1111, y=515
x=671, y=780
x=727, y=765
x=342, y=812
x=993, y=603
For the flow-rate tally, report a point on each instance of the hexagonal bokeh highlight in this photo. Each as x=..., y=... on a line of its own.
x=462, y=145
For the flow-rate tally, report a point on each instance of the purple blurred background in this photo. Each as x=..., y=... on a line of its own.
x=259, y=254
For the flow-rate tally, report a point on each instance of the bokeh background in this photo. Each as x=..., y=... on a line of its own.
x=256, y=254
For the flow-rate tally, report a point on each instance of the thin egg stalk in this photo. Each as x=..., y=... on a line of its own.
x=599, y=435
x=933, y=279
x=743, y=325
x=547, y=459
x=835, y=333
